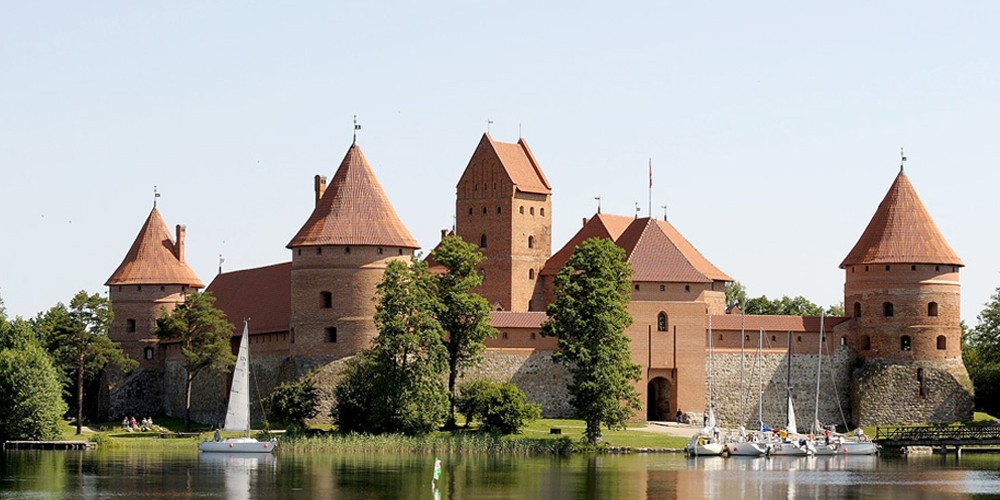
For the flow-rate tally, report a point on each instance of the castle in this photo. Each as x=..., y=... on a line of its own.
x=895, y=358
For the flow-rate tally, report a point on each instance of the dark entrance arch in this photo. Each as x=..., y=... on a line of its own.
x=658, y=407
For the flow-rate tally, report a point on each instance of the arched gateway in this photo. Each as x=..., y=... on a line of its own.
x=658, y=405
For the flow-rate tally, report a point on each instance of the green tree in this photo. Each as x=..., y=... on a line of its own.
x=589, y=317
x=463, y=314
x=77, y=338
x=32, y=406
x=503, y=408
x=736, y=294
x=204, y=335
x=293, y=402
x=981, y=354
x=396, y=386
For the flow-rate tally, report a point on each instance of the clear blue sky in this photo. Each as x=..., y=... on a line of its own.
x=774, y=128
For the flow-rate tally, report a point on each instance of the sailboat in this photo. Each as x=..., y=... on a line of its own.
x=792, y=444
x=238, y=411
x=743, y=445
x=706, y=442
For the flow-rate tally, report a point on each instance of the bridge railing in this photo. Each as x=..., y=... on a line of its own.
x=937, y=433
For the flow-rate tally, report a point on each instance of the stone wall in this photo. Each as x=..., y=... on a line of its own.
x=730, y=397
x=136, y=394
x=534, y=372
x=911, y=392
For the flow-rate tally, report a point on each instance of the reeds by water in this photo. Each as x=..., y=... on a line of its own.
x=431, y=444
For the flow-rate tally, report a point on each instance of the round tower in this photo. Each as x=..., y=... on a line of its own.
x=902, y=292
x=338, y=257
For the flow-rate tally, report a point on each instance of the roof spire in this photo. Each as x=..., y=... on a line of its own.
x=356, y=129
x=902, y=159
x=664, y=207
x=156, y=194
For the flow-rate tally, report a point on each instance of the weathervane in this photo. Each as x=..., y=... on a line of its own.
x=598, y=198
x=902, y=159
x=488, y=123
x=636, y=210
x=156, y=194
x=221, y=260
x=356, y=129
x=664, y=207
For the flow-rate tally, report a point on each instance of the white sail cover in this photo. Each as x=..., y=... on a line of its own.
x=792, y=426
x=238, y=412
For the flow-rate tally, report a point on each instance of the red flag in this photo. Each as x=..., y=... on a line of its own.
x=650, y=173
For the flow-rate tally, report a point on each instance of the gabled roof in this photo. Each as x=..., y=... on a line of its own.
x=262, y=295
x=354, y=210
x=599, y=226
x=902, y=231
x=507, y=319
x=654, y=249
x=774, y=323
x=154, y=259
x=517, y=161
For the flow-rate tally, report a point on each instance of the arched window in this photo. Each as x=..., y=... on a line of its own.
x=541, y=211
x=843, y=340
x=932, y=309
x=130, y=325
x=531, y=210
x=522, y=210
x=857, y=309
x=531, y=242
x=498, y=210
x=482, y=241
x=531, y=274
x=942, y=342
x=325, y=300
x=887, y=309
x=866, y=343
x=905, y=344
x=484, y=210
x=147, y=353
x=661, y=322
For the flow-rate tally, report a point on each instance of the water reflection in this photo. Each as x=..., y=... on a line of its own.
x=187, y=473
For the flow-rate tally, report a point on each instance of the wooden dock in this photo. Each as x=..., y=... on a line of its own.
x=49, y=445
x=939, y=437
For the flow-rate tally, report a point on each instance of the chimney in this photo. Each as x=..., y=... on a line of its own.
x=584, y=221
x=179, y=245
x=319, y=184
x=444, y=232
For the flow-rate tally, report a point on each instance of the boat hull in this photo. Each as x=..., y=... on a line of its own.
x=789, y=450
x=746, y=449
x=857, y=448
x=237, y=446
x=704, y=450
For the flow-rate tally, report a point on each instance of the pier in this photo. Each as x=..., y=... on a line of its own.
x=49, y=445
x=940, y=437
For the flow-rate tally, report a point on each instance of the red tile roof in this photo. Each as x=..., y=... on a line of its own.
x=153, y=259
x=654, y=248
x=263, y=295
x=902, y=231
x=354, y=210
x=518, y=162
x=504, y=319
x=774, y=323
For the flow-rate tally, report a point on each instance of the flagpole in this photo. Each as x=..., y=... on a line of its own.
x=650, y=188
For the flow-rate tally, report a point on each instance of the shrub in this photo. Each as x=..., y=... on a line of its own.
x=32, y=406
x=503, y=408
x=293, y=402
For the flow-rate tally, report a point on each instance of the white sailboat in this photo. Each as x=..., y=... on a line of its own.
x=792, y=444
x=752, y=445
x=238, y=411
x=706, y=442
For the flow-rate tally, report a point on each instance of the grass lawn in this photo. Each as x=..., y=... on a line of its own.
x=630, y=438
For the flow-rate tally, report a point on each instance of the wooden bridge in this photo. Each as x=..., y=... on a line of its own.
x=939, y=437
x=49, y=445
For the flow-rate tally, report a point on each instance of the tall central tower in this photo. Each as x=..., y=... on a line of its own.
x=902, y=292
x=504, y=206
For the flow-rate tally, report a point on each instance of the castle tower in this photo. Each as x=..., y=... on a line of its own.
x=338, y=257
x=902, y=292
x=504, y=206
x=151, y=280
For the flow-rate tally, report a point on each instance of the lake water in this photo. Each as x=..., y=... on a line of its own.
x=188, y=474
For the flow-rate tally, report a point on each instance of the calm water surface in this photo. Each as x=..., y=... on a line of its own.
x=183, y=474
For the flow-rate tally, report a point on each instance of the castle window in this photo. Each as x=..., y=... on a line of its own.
x=687, y=288
x=325, y=300
x=541, y=211
x=379, y=251
x=147, y=353
x=482, y=241
x=531, y=274
x=484, y=210
x=531, y=242
x=866, y=343
x=746, y=337
x=887, y=310
x=400, y=251
x=637, y=287
x=347, y=249
x=852, y=269
x=905, y=344
x=494, y=186
x=522, y=209
x=857, y=309
x=532, y=335
x=499, y=210
x=866, y=269
x=470, y=210
x=913, y=268
x=663, y=288
x=531, y=210
x=130, y=325
x=799, y=338
x=138, y=288
x=119, y=288
x=773, y=339
x=300, y=251
x=887, y=268
x=843, y=340
x=331, y=334
x=942, y=342
x=720, y=336
x=932, y=309
x=162, y=288
x=504, y=335
x=661, y=322
x=184, y=288
x=937, y=268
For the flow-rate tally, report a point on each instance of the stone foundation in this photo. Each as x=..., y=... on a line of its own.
x=542, y=380
x=911, y=392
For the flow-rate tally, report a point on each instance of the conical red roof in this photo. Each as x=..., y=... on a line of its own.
x=902, y=231
x=354, y=210
x=153, y=259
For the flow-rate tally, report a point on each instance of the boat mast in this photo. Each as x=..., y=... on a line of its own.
x=819, y=369
x=788, y=410
x=743, y=409
x=760, y=380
